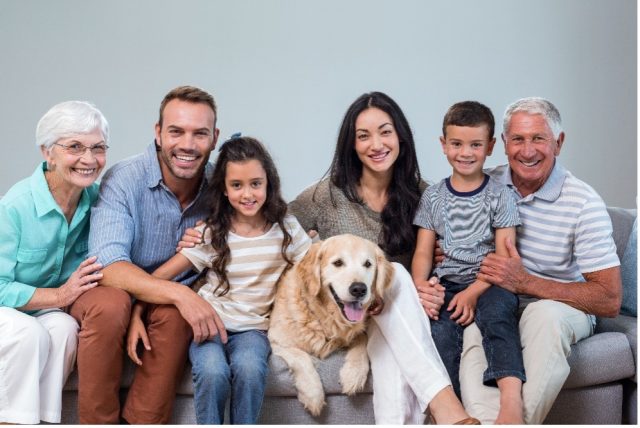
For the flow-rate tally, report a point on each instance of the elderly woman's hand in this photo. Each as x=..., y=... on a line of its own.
x=431, y=295
x=84, y=278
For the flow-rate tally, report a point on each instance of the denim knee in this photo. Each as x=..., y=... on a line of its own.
x=208, y=372
x=497, y=319
x=497, y=303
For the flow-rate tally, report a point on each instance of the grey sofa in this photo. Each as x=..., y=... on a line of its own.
x=601, y=388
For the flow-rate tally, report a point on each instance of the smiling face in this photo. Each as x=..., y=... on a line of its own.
x=185, y=140
x=353, y=271
x=377, y=143
x=246, y=188
x=73, y=171
x=531, y=149
x=466, y=148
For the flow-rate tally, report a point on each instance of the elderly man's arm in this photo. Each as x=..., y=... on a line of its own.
x=600, y=295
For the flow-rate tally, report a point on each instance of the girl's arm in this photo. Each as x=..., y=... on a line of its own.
x=173, y=267
x=137, y=332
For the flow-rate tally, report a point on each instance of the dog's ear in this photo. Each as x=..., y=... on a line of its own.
x=309, y=269
x=384, y=273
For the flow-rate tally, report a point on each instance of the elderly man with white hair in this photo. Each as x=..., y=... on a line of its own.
x=44, y=227
x=564, y=269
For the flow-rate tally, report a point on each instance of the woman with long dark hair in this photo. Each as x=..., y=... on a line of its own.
x=372, y=190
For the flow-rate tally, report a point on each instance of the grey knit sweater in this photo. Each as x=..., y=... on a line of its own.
x=318, y=212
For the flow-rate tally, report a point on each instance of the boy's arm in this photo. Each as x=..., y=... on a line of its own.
x=430, y=292
x=502, y=235
x=465, y=301
x=422, y=257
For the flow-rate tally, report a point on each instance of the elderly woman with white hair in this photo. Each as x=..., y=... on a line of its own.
x=44, y=227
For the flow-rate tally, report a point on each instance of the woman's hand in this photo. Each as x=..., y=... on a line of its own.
x=431, y=295
x=137, y=332
x=191, y=237
x=84, y=278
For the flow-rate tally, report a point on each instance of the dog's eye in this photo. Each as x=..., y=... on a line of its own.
x=338, y=263
x=367, y=264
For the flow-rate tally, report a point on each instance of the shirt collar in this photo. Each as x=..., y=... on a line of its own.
x=550, y=190
x=43, y=199
x=152, y=166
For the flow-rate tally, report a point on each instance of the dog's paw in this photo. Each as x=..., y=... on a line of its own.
x=353, y=378
x=314, y=403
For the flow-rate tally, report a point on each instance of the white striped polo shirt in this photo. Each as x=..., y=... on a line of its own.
x=566, y=230
x=254, y=268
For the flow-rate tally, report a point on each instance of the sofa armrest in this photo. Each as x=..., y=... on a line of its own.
x=622, y=324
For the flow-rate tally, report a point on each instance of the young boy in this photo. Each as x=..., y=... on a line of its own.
x=471, y=215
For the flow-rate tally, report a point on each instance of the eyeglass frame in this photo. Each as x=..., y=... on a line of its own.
x=69, y=150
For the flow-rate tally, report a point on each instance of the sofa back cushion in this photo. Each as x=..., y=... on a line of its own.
x=625, y=235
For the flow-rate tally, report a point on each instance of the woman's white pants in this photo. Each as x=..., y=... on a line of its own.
x=37, y=354
x=406, y=369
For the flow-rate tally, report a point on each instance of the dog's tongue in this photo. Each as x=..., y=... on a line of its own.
x=353, y=311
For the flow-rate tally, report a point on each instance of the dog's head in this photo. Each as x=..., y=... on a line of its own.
x=348, y=271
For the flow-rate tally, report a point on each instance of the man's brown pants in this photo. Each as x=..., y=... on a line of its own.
x=103, y=314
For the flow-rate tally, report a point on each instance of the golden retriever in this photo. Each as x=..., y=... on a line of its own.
x=321, y=305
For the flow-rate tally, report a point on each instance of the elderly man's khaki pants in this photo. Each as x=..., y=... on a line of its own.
x=103, y=314
x=547, y=331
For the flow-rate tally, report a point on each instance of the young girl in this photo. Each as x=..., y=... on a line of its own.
x=249, y=241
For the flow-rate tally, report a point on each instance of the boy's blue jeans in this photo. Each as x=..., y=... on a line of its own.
x=237, y=370
x=496, y=316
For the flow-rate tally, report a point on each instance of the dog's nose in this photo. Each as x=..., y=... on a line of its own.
x=357, y=289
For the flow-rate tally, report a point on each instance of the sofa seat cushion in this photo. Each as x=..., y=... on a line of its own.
x=590, y=362
x=279, y=379
x=599, y=359
x=626, y=325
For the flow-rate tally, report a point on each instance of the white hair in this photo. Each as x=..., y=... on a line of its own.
x=535, y=105
x=70, y=118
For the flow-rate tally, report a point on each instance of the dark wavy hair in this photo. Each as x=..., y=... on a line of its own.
x=397, y=234
x=240, y=149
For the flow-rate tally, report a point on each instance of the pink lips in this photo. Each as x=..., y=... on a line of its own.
x=379, y=157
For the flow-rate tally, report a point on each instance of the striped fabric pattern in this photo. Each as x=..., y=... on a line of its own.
x=465, y=224
x=566, y=230
x=253, y=271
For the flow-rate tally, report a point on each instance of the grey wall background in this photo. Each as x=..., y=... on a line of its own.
x=286, y=71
